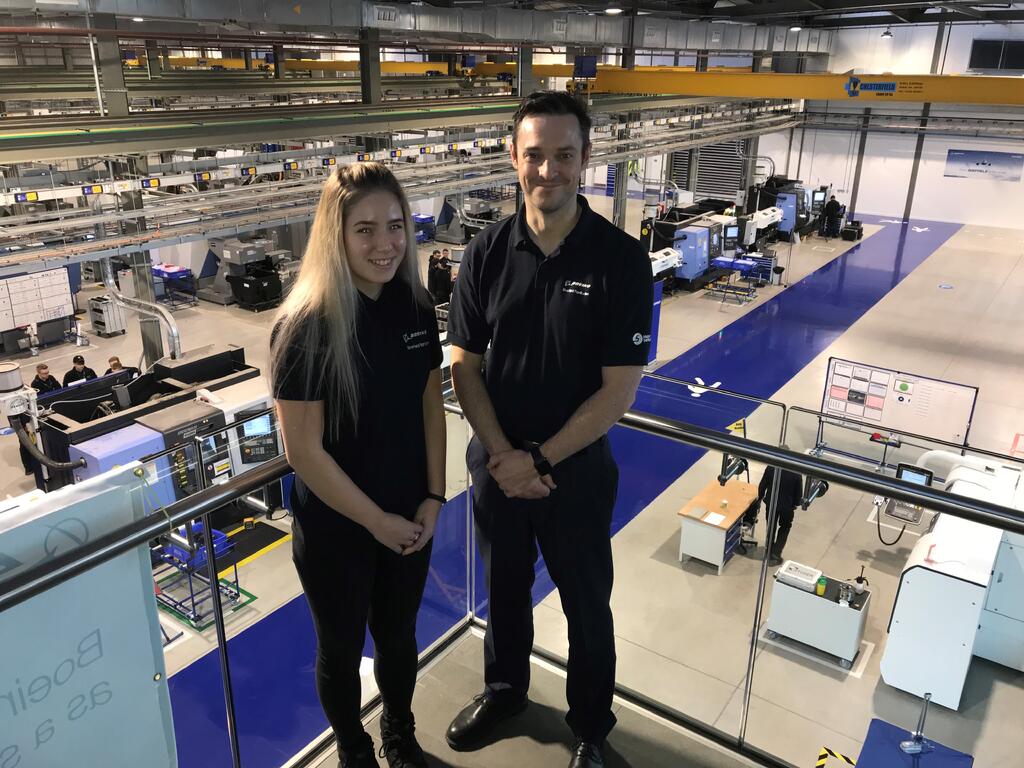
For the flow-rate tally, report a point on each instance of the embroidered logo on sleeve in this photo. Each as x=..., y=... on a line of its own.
x=641, y=338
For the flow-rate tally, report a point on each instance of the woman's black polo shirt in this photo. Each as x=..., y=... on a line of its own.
x=386, y=453
x=552, y=323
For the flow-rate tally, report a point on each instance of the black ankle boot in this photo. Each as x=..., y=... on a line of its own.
x=358, y=757
x=398, y=743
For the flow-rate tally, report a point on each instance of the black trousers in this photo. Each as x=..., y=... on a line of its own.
x=351, y=580
x=783, y=526
x=573, y=530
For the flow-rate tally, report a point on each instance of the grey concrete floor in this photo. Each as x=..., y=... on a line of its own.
x=539, y=736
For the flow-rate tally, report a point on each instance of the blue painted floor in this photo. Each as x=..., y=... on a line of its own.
x=272, y=661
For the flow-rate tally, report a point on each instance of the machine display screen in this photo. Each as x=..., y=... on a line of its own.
x=257, y=427
x=819, y=197
x=914, y=475
x=731, y=233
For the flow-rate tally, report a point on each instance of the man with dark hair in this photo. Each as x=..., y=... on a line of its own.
x=79, y=371
x=833, y=214
x=561, y=302
x=44, y=382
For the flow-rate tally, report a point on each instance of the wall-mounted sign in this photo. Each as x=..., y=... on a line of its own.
x=981, y=164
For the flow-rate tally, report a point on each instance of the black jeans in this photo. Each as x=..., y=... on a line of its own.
x=351, y=580
x=573, y=528
x=783, y=527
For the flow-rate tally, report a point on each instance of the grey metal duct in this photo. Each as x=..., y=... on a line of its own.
x=426, y=23
x=145, y=308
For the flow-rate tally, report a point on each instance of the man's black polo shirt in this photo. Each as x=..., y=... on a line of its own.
x=552, y=323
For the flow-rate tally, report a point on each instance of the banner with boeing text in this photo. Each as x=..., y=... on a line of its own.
x=82, y=677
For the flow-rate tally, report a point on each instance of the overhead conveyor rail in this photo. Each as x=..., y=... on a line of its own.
x=78, y=137
x=188, y=217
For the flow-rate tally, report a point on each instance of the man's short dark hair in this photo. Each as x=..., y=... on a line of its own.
x=552, y=103
x=41, y=366
x=78, y=360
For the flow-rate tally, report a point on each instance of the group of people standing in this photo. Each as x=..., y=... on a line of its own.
x=560, y=301
x=439, y=277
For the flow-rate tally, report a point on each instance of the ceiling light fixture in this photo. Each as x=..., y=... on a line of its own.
x=795, y=28
x=137, y=18
x=613, y=10
x=887, y=35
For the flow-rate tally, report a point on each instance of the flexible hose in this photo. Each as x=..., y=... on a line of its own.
x=42, y=458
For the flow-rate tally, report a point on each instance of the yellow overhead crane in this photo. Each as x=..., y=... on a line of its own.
x=871, y=89
x=386, y=67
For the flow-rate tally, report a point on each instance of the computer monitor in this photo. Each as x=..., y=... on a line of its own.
x=819, y=197
x=913, y=474
x=258, y=426
x=731, y=233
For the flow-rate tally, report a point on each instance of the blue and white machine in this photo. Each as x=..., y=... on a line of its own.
x=123, y=446
x=692, y=245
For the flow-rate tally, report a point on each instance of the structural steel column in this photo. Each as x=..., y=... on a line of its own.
x=115, y=94
x=152, y=59
x=278, y=62
x=702, y=61
x=69, y=58
x=525, y=81
x=749, y=170
x=247, y=58
x=369, y=66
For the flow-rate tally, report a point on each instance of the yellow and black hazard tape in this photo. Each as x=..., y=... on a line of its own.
x=826, y=753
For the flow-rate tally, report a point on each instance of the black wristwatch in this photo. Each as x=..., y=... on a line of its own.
x=540, y=462
x=437, y=497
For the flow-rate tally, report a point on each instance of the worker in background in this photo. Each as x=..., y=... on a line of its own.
x=116, y=365
x=79, y=371
x=44, y=382
x=433, y=276
x=444, y=277
x=791, y=490
x=560, y=299
x=833, y=217
x=355, y=362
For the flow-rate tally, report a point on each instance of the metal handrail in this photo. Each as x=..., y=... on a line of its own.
x=862, y=427
x=36, y=580
x=739, y=395
x=39, y=578
x=975, y=510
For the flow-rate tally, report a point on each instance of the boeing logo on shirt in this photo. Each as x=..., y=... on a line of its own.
x=640, y=338
x=415, y=340
x=576, y=287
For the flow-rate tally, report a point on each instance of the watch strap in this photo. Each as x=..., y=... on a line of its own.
x=540, y=462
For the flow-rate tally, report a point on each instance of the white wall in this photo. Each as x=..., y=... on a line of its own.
x=775, y=146
x=969, y=201
x=829, y=157
x=910, y=49
x=957, y=54
x=885, y=174
x=908, y=52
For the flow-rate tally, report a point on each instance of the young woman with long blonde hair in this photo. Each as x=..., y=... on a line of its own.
x=355, y=362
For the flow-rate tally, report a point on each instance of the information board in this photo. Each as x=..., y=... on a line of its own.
x=34, y=298
x=898, y=401
x=82, y=676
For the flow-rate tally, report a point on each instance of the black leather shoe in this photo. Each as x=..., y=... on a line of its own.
x=586, y=755
x=361, y=757
x=398, y=744
x=774, y=561
x=479, y=717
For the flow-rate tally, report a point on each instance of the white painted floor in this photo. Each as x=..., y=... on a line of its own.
x=686, y=642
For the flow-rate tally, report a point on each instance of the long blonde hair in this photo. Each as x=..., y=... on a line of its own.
x=319, y=313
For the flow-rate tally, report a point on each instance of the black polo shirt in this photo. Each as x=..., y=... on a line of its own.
x=385, y=454
x=552, y=323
